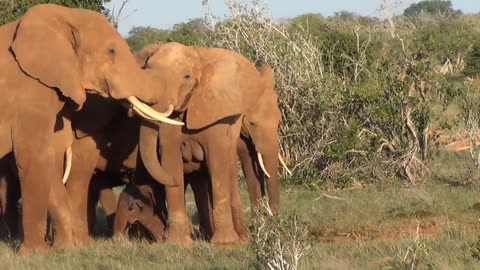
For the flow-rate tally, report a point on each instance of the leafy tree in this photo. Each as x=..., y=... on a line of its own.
x=12, y=9
x=433, y=7
x=443, y=39
x=139, y=36
x=188, y=33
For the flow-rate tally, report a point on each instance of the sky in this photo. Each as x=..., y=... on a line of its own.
x=165, y=13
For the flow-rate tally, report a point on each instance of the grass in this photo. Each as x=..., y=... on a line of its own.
x=434, y=225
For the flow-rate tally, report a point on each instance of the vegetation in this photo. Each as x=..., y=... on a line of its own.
x=12, y=9
x=431, y=7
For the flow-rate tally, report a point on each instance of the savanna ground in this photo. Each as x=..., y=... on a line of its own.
x=434, y=225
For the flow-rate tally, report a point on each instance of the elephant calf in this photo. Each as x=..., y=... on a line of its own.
x=143, y=203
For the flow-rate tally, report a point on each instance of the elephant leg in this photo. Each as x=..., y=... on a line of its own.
x=84, y=159
x=178, y=223
x=255, y=190
x=9, y=196
x=109, y=204
x=61, y=212
x=222, y=171
x=200, y=184
x=35, y=168
x=238, y=216
x=92, y=200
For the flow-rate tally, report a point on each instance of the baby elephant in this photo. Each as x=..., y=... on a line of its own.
x=140, y=205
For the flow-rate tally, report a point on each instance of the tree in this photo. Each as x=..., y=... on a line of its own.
x=12, y=9
x=433, y=7
x=139, y=36
x=188, y=33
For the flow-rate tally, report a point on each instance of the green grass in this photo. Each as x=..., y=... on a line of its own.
x=359, y=228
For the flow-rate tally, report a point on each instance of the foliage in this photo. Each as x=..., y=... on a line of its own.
x=139, y=36
x=432, y=7
x=442, y=40
x=10, y=10
x=356, y=100
x=472, y=61
x=278, y=242
x=188, y=33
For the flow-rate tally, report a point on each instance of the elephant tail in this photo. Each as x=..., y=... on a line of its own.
x=268, y=76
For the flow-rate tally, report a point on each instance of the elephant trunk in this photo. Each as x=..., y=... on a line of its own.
x=155, y=226
x=270, y=160
x=121, y=217
x=148, y=145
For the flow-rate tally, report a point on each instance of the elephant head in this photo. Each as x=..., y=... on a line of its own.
x=226, y=84
x=75, y=50
x=136, y=204
x=260, y=134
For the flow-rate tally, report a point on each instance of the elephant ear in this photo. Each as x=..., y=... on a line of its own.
x=45, y=50
x=146, y=53
x=225, y=91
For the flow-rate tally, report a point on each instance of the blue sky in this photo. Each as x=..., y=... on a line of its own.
x=165, y=13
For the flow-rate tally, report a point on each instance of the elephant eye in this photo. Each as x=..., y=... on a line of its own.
x=252, y=123
x=111, y=50
x=187, y=76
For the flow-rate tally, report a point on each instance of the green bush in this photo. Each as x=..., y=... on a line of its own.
x=357, y=102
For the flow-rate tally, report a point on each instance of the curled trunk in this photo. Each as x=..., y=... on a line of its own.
x=148, y=145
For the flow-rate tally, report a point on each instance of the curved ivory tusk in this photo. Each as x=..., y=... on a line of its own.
x=151, y=113
x=260, y=161
x=142, y=114
x=283, y=164
x=68, y=164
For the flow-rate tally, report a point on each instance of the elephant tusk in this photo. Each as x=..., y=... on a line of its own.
x=68, y=164
x=151, y=113
x=283, y=164
x=142, y=114
x=260, y=161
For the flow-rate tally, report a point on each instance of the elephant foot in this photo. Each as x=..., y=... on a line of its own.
x=225, y=238
x=180, y=236
x=244, y=237
x=63, y=239
x=82, y=238
x=40, y=248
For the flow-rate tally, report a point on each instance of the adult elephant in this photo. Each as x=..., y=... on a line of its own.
x=258, y=146
x=49, y=58
x=229, y=86
x=106, y=140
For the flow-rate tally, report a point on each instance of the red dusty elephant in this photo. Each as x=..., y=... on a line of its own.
x=49, y=59
x=229, y=87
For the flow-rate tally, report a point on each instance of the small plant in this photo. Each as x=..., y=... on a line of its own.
x=278, y=242
x=415, y=256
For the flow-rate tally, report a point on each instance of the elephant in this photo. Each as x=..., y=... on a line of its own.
x=49, y=59
x=144, y=205
x=229, y=86
x=142, y=202
x=106, y=141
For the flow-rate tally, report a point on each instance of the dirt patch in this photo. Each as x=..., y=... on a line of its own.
x=381, y=232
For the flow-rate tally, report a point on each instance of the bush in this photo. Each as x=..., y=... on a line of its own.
x=278, y=242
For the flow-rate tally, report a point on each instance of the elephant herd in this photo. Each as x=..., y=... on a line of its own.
x=80, y=114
